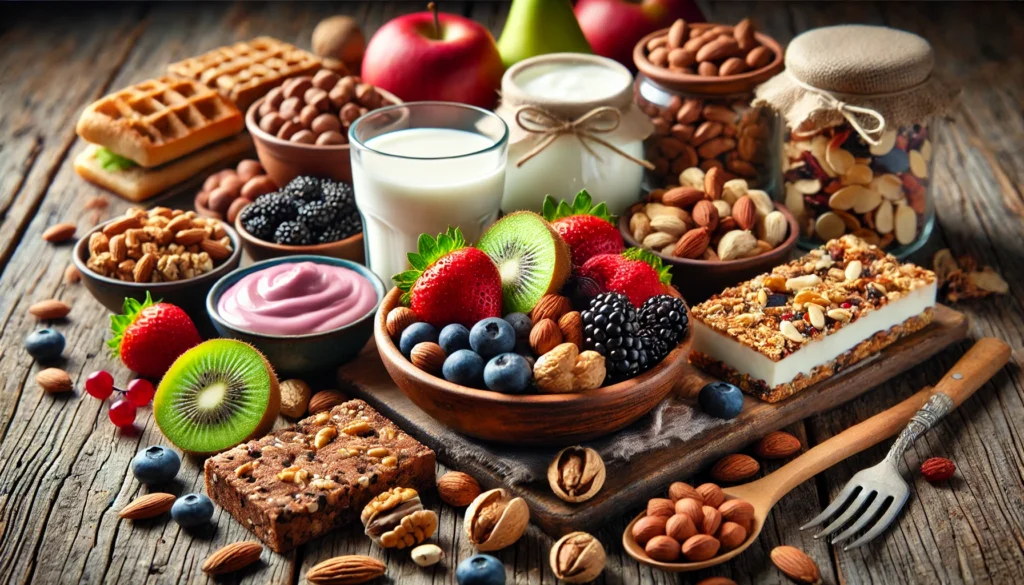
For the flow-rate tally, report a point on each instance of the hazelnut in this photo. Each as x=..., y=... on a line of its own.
x=331, y=138
x=325, y=123
x=349, y=113
x=274, y=97
x=660, y=507
x=307, y=115
x=339, y=37
x=288, y=129
x=220, y=199
x=296, y=87
x=325, y=79
x=257, y=186
x=295, y=395
x=271, y=123
x=680, y=527
x=290, y=108
x=648, y=527
x=236, y=207
x=317, y=98
x=341, y=94
x=663, y=549
x=303, y=137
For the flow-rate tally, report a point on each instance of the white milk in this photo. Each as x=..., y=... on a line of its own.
x=401, y=198
x=565, y=167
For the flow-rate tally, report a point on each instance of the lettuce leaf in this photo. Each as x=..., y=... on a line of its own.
x=113, y=162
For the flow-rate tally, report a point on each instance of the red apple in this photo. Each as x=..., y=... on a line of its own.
x=451, y=59
x=614, y=27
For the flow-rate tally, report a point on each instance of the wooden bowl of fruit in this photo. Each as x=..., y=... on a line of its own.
x=540, y=378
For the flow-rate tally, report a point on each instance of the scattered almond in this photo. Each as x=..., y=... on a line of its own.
x=796, y=564
x=711, y=494
x=233, y=557
x=550, y=306
x=777, y=445
x=457, y=489
x=679, y=490
x=147, y=506
x=716, y=580
x=50, y=309
x=937, y=469
x=54, y=380
x=428, y=356
x=648, y=527
x=325, y=400
x=345, y=570
x=545, y=336
x=571, y=326
x=398, y=319
x=700, y=547
x=60, y=232
x=72, y=274
x=735, y=467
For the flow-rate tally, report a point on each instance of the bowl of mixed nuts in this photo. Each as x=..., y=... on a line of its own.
x=173, y=254
x=714, y=233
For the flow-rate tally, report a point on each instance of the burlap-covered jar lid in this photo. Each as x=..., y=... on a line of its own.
x=873, y=77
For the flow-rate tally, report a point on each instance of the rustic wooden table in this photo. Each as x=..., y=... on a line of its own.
x=64, y=469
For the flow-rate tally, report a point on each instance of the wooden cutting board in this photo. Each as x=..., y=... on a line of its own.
x=630, y=483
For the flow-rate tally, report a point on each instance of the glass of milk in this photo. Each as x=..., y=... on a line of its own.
x=420, y=167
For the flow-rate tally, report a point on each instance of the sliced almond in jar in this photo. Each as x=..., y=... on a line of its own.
x=884, y=218
x=889, y=185
x=807, y=186
x=926, y=150
x=858, y=175
x=870, y=236
x=885, y=143
x=867, y=201
x=794, y=200
x=918, y=165
x=905, y=225
x=851, y=221
x=846, y=197
x=829, y=226
x=839, y=159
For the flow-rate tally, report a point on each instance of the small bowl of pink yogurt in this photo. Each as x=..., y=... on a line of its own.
x=305, y=313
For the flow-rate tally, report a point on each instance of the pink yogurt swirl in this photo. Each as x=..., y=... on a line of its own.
x=297, y=298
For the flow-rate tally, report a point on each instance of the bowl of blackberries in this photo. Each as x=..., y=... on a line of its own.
x=309, y=215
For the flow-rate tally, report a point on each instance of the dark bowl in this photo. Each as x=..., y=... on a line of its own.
x=531, y=419
x=284, y=160
x=300, y=354
x=351, y=248
x=699, y=279
x=188, y=294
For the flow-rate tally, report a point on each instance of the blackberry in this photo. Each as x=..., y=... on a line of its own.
x=610, y=328
x=656, y=348
x=276, y=207
x=292, y=233
x=318, y=215
x=664, y=317
x=305, y=188
x=340, y=194
x=257, y=225
x=330, y=234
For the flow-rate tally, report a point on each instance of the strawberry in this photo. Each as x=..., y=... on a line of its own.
x=636, y=273
x=589, y=231
x=150, y=336
x=450, y=282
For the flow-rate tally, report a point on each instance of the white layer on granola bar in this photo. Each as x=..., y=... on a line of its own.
x=811, y=311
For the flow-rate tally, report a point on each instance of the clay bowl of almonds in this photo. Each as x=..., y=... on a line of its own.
x=714, y=233
x=174, y=255
x=529, y=418
x=301, y=127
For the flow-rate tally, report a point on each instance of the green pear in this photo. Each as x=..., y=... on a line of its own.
x=538, y=27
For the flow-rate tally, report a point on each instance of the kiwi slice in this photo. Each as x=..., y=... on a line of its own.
x=532, y=259
x=216, y=395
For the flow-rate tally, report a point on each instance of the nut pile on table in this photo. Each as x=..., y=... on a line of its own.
x=226, y=192
x=836, y=183
x=708, y=218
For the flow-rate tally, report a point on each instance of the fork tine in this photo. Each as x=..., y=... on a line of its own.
x=834, y=507
x=850, y=512
x=870, y=514
x=883, y=522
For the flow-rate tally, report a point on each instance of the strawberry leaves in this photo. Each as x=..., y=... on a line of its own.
x=120, y=323
x=428, y=251
x=648, y=257
x=581, y=205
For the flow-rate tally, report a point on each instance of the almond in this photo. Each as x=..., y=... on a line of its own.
x=660, y=507
x=743, y=32
x=736, y=510
x=571, y=326
x=732, y=66
x=648, y=527
x=215, y=249
x=72, y=274
x=682, y=196
x=398, y=319
x=773, y=228
x=54, y=380
x=716, y=580
x=706, y=214
x=550, y=306
x=692, y=508
x=50, y=309
x=777, y=445
x=731, y=535
x=714, y=181
x=189, y=236
x=736, y=244
x=721, y=48
x=677, y=33
x=233, y=557
x=711, y=494
x=345, y=570
x=144, y=268
x=735, y=467
x=712, y=520
x=545, y=336
x=457, y=489
x=744, y=212
x=758, y=57
x=669, y=224
x=700, y=547
x=679, y=490
x=428, y=356
x=937, y=469
x=60, y=232
x=121, y=225
x=680, y=527
x=147, y=506
x=693, y=243
x=325, y=400
x=796, y=564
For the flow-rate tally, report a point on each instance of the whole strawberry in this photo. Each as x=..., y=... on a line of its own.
x=450, y=282
x=589, y=231
x=636, y=273
x=150, y=336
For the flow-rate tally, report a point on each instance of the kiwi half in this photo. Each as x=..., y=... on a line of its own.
x=216, y=395
x=532, y=258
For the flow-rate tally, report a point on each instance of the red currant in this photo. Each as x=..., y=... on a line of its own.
x=786, y=316
x=846, y=305
x=122, y=413
x=140, y=392
x=99, y=384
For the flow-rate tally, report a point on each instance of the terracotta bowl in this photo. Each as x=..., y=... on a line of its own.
x=699, y=279
x=350, y=248
x=284, y=160
x=533, y=419
x=188, y=294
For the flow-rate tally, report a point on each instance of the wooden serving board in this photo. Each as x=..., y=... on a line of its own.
x=630, y=483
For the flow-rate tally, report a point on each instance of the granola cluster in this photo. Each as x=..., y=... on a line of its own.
x=161, y=245
x=811, y=297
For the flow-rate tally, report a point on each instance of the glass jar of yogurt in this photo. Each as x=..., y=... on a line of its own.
x=573, y=126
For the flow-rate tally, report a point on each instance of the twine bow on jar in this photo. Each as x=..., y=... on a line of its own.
x=829, y=101
x=586, y=129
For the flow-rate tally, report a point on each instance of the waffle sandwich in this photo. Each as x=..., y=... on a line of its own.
x=245, y=72
x=156, y=134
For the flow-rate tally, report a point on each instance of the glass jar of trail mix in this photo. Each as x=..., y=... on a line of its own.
x=858, y=102
x=696, y=82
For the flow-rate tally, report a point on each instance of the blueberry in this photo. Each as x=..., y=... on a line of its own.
x=521, y=324
x=480, y=570
x=192, y=510
x=508, y=372
x=453, y=338
x=416, y=333
x=492, y=336
x=156, y=464
x=45, y=345
x=895, y=161
x=721, y=399
x=464, y=367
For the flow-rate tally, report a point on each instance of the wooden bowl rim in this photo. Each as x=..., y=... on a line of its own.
x=389, y=352
x=779, y=252
x=694, y=82
x=311, y=249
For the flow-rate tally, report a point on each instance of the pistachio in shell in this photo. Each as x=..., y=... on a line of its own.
x=577, y=557
x=576, y=474
x=495, y=520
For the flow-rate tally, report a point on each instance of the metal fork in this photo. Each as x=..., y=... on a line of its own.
x=880, y=492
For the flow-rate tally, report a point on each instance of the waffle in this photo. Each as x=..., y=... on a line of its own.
x=159, y=120
x=245, y=72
